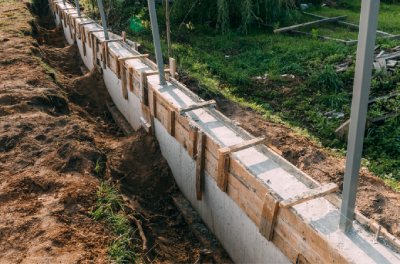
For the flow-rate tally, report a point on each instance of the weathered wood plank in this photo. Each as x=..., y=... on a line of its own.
x=310, y=195
x=200, y=160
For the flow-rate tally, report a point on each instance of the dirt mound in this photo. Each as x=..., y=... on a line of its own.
x=57, y=143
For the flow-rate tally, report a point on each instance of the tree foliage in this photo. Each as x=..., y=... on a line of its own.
x=224, y=14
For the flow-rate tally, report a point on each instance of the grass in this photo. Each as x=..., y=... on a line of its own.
x=109, y=208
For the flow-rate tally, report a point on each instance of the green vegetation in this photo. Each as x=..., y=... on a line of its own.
x=109, y=208
x=293, y=79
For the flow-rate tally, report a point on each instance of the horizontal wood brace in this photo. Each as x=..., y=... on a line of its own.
x=197, y=106
x=86, y=23
x=110, y=40
x=243, y=145
x=149, y=73
x=133, y=57
x=310, y=195
x=95, y=30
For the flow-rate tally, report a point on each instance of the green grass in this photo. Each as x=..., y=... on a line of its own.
x=109, y=208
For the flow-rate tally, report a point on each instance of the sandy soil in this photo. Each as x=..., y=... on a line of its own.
x=374, y=199
x=54, y=128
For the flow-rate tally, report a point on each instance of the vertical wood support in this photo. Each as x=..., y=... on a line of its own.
x=359, y=107
x=269, y=214
x=172, y=122
x=122, y=72
x=143, y=89
x=200, y=164
x=172, y=67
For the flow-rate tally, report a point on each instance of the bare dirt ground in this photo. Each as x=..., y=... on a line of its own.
x=54, y=130
x=375, y=199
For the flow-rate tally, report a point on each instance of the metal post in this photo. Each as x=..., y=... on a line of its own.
x=359, y=107
x=156, y=40
x=103, y=18
x=78, y=7
x=64, y=3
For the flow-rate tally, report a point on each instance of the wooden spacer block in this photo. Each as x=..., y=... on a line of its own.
x=200, y=164
x=197, y=106
x=269, y=214
x=310, y=195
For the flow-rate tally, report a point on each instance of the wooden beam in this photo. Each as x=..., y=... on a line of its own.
x=172, y=123
x=269, y=215
x=243, y=145
x=133, y=57
x=344, y=23
x=198, y=106
x=86, y=23
x=172, y=66
x=324, y=20
x=200, y=164
x=310, y=195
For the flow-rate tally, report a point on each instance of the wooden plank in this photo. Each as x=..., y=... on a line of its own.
x=172, y=123
x=122, y=72
x=87, y=23
x=172, y=66
x=223, y=170
x=344, y=23
x=133, y=57
x=310, y=195
x=198, y=106
x=269, y=215
x=243, y=145
x=193, y=138
x=200, y=160
x=324, y=20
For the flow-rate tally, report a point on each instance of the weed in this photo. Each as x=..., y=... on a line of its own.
x=109, y=208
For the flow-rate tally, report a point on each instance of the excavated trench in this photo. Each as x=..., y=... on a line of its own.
x=58, y=141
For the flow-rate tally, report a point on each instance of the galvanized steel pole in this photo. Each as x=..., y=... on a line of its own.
x=103, y=18
x=78, y=7
x=156, y=40
x=359, y=107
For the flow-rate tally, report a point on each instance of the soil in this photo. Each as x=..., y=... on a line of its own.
x=375, y=199
x=54, y=129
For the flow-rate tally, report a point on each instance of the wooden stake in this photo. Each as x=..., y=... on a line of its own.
x=172, y=66
x=200, y=163
x=269, y=215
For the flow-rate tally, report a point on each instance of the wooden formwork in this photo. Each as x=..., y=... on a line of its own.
x=276, y=219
